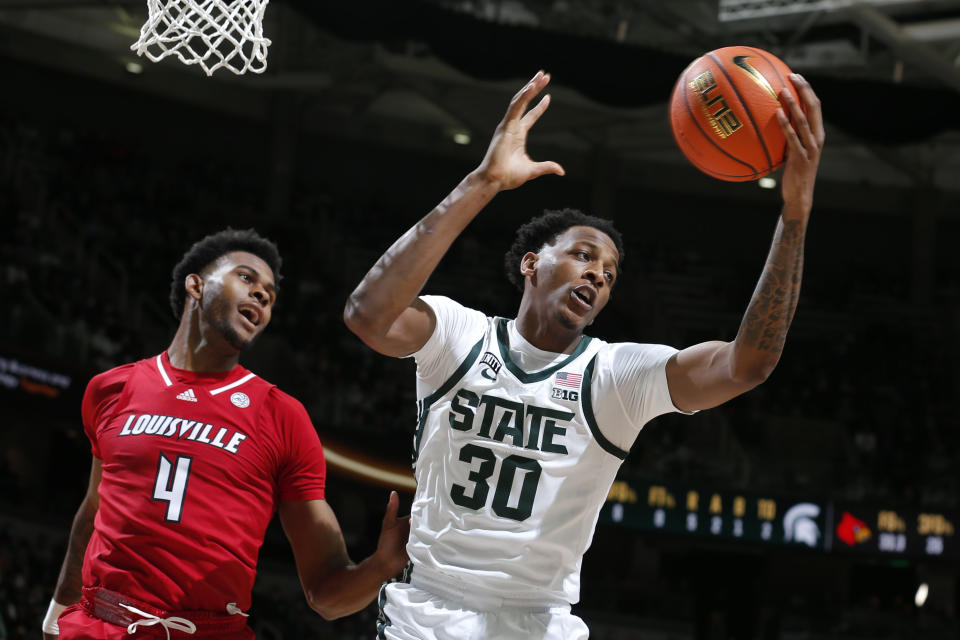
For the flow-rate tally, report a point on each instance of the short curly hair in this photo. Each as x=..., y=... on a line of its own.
x=205, y=252
x=544, y=229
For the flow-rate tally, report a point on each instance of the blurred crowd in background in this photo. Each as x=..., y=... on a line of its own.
x=860, y=407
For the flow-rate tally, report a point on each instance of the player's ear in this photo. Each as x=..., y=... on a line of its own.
x=194, y=286
x=528, y=264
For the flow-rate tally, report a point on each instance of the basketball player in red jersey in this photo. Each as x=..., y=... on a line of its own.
x=192, y=456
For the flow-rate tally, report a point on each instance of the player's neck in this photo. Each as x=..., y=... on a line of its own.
x=545, y=333
x=191, y=350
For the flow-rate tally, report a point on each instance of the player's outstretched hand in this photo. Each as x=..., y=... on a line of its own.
x=506, y=163
x=392, y=545
x=805, y=137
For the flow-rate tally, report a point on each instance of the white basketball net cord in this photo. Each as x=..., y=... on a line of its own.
x=211, y=33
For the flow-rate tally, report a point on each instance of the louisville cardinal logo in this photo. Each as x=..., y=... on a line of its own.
x=852, y=530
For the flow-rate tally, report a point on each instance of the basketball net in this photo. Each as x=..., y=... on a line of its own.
x=211, y=33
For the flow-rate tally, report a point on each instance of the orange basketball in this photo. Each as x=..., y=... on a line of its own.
x=723, y=113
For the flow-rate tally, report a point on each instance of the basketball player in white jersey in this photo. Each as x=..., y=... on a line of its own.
x=523, y=423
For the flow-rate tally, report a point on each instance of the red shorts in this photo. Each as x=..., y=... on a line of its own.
x=81, y=622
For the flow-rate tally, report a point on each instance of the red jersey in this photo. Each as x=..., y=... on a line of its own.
x=194, y=467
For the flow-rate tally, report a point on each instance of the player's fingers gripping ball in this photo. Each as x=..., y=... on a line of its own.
x=723, y=113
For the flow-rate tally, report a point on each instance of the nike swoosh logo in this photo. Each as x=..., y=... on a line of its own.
x=486, y=374
x=741, y=61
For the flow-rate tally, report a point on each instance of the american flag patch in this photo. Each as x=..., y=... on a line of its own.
x=565, y=379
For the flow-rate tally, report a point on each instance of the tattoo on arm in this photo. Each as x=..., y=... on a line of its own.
x=764, y=326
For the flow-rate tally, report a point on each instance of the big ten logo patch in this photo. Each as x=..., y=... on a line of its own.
x=565, y=394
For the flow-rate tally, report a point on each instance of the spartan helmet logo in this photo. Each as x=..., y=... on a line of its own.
x=799, y=524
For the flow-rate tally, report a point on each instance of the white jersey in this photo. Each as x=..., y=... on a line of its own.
x=515, y=452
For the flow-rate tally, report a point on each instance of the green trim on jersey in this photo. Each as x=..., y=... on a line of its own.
x=587, y=401
x=504, y=341
x=424, y=405
x=382, y=620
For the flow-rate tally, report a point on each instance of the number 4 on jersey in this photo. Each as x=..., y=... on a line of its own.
x=172, y=491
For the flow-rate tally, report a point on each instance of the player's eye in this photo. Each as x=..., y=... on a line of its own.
x=246, y=277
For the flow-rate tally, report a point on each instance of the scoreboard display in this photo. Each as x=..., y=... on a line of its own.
x=894, y=531
x=825, y=526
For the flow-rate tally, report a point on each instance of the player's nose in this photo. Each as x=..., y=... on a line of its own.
x=593, y=274
x=259, y=294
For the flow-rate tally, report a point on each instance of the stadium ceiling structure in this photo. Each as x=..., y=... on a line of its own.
x=435, y=74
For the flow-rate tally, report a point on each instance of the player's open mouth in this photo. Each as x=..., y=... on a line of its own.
x=251, y=314
x=583, y=296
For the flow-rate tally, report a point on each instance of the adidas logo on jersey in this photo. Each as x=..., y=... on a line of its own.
x=187, y=395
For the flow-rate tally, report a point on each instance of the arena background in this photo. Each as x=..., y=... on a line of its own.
x=368, y=114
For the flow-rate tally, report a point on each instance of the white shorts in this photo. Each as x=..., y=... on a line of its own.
x=417, y=612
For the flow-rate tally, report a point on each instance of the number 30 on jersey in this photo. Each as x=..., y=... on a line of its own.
x=509, y=468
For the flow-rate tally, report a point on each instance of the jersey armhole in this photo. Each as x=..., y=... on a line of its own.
x=586, y=388
x=423, y=405
x=102, y=416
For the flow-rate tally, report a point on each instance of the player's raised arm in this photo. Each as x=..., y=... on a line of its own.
x=708, y=374
x=383, y=310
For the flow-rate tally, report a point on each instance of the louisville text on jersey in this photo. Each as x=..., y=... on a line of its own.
x=527, y=426
x=182, y=429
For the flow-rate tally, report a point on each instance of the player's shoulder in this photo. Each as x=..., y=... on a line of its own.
x=104, y=389
x=111, y=380
x=599, y=343
x=635, y=347
x=282, y=403
x=631, y=356
x=458, y=326
x=448, y=306
x=287, y=416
